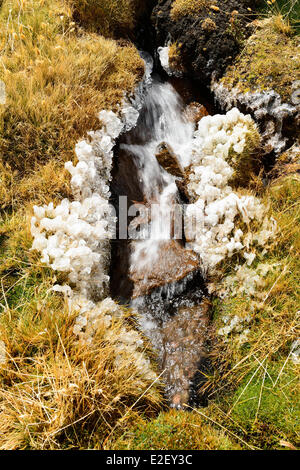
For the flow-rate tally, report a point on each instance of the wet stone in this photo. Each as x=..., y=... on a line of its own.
x=194, y=112
x=184, y=338
x=172, y=264
x=168, y=160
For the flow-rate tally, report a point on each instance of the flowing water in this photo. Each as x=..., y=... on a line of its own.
x=154, y=272
x=161, y=121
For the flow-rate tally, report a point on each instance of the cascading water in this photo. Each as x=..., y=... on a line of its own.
x=161, y=121
x=166, y=286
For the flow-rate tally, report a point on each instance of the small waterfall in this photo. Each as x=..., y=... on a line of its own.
x=160, y=279
x=162, y=120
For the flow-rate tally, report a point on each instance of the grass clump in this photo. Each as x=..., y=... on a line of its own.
x=56, y=393
x=286, y=15
x=182, y=8
x=268, y=61
x=113, y=17
x=57, y=77
x=176, y=430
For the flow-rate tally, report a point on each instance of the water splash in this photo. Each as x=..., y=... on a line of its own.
x=162, y=120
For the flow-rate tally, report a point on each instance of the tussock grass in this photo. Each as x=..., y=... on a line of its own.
x=55, y=393
x=175, y=430
x=286, y=15
x=269, y=60
x=57, y=77
x=113, y=17
x=182, y=8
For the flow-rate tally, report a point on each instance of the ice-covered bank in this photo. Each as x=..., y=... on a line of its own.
x=220, y=220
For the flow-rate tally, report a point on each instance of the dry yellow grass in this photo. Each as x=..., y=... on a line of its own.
x=57, y=77
x=56, y=393
x=282, y=25
x=182, y=8
x=53, y=392
x=113, y=17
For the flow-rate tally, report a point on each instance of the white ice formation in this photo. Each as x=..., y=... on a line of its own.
x=218, y=213
x=267, y=108
x=128, y=343
x=295, y=352
x=163, y=53
x=3, y=354
x=235, y=324
x=74, y=236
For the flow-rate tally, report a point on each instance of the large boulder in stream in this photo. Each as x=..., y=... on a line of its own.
x=264, y=81
x=207, y=35
x=172, y=264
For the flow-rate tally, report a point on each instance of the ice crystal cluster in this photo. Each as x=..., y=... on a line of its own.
x=163, y=53
x=235, y=324
x=128, y=343
x=295, y=352
x=267, y=108
x=221, y=213
x=3, y=354
x=246, y=280
x=74, y=236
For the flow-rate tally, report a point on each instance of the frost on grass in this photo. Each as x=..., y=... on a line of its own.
x=235, y=325
x=164, y=57
x=3, y=355
x=129, y=343
x=223, y=216
x=75, y=237
x=266, y=106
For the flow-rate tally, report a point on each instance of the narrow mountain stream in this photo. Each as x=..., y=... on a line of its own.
x=151, y=269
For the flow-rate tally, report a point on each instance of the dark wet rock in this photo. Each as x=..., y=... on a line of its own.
x=168, y=160
x=185, y=347
x=173, y=264
x=287, y=163
x=194, y=112
x=208, y=42
x=125, y=181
